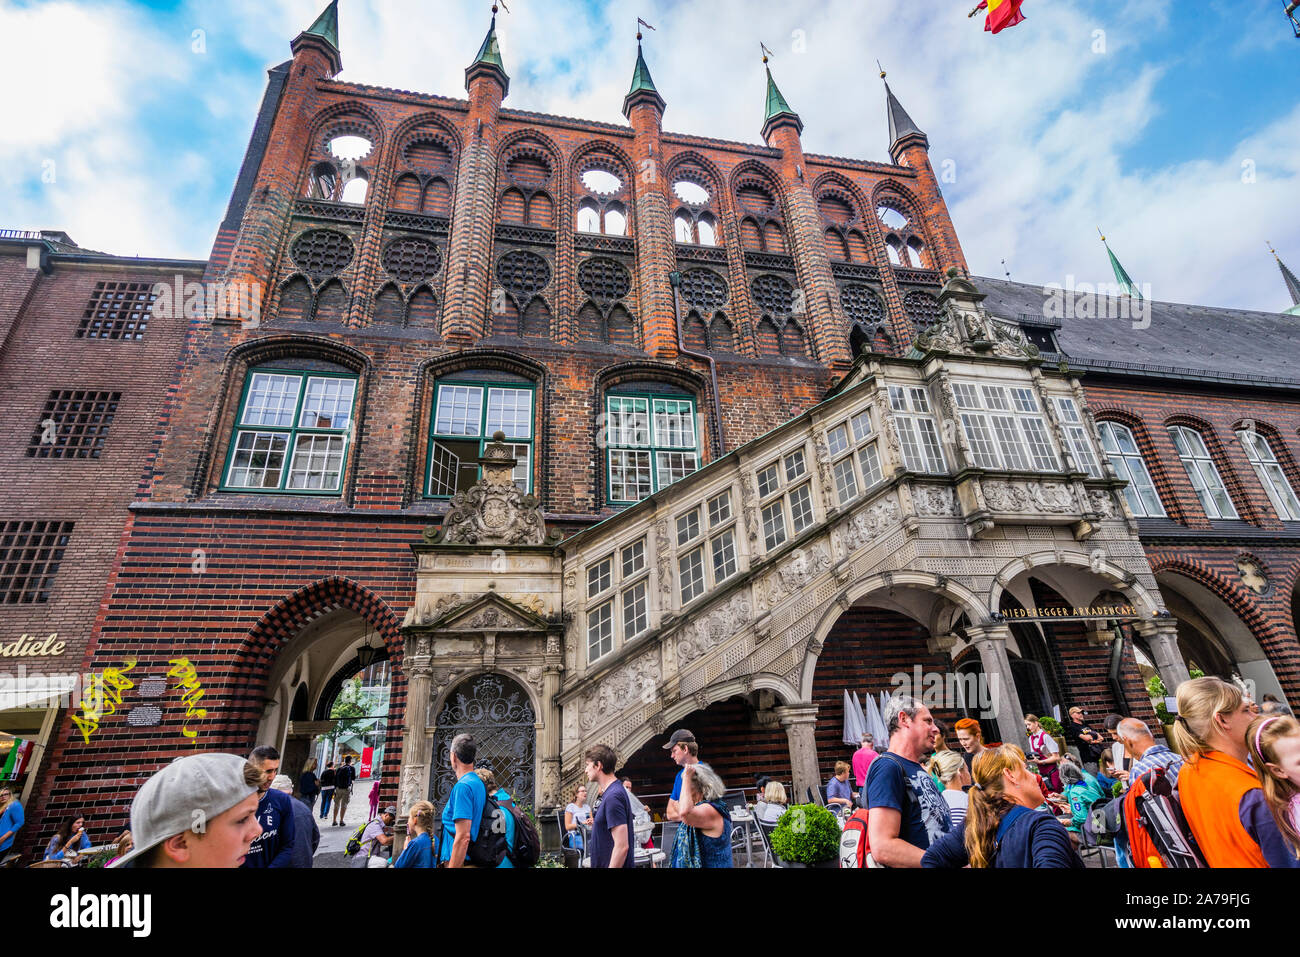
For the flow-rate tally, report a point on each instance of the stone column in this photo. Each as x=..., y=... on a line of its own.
x=991, y=643
x=550, y=742
x=1162, y=638
x=800, y=723
x=418, y=665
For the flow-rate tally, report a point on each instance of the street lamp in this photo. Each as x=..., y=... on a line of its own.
x=366, y=654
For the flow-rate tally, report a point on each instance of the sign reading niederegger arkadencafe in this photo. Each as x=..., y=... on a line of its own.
x=552, y=452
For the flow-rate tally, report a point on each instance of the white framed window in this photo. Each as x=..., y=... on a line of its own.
x=1269, y=469
x=652, y=442
x=1125, y=457
x=690, y=573
x=1076, y=435
x=1004, y=427
x=1202, y=472
x=918, y=436
x=855, y=455
x=774, y=532
x=719, y=509
x=618, y=591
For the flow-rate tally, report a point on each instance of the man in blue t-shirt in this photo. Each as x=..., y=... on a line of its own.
x=907, y=812
x=612, y=840
x=464, y=807
x=683, y=749
x=11, y=819
x=274, y=846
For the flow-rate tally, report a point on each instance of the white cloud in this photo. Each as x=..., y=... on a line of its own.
x=1039, y=125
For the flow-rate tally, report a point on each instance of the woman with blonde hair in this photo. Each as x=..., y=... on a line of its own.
x=1275, y=751
x=419, y=830
x=1001, y=828
x=950, y=769
x=1220, y=794
x=773, y=803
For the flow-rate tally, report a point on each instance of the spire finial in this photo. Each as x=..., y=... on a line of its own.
x=639, y=24
x=881, y=69
x=1101, y=234
x=1272, y=250
x=766, y=51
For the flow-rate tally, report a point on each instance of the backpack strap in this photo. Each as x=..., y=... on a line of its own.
x=907, y=784
x=1015, y=814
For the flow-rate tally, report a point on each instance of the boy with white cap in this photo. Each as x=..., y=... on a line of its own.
x=199, y=811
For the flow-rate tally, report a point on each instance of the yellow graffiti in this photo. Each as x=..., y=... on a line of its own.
x=102, y=696
x=191, y=691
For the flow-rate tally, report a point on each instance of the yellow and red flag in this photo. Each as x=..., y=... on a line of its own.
x=1001, y=14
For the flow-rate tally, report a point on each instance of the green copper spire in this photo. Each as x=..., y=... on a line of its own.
x=327, y=25
x=323, y=35
x=777, y=107
x=1126, y=285
x=489, y=57
x=643, y=85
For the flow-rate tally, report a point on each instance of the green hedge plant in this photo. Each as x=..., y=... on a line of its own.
x=806, y=834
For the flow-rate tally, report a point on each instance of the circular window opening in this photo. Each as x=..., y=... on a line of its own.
x=891, y=217
x=692, y=193
x=601, y=181
x=350, y=147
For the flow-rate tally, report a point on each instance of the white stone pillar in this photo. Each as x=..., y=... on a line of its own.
x=800, y=723
x=991, y=643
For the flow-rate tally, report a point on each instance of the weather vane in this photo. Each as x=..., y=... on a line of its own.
x=639, y=24
x=766, y=52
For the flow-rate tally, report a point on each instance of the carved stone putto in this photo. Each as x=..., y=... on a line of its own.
x=867, y=525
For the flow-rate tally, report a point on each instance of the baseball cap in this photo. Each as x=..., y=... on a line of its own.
x=680, y=735
x=391, y=810
x=164, y=806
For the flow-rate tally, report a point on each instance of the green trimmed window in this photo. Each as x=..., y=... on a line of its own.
x=292, y=432
x=465, y=416
x=651, y=442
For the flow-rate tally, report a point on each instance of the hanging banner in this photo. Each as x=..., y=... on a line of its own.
x=367, y=758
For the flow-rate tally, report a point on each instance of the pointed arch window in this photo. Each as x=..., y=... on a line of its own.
x=1126, y=458
x=1269, y=470
x=1202, y=472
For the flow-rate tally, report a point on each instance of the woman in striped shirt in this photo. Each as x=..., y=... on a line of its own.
x=951, y=770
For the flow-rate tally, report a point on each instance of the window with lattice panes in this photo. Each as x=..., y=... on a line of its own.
x=1127, y=461
x=918, y=436
x=785, y=498
x=30, y=554
x=73, y=425
x=466, y=415
x=1271, y=476
x=118, y=310
x=618, y=599
x=707, y=555
x=1076, y=436
x=1004, y=427
x=292, y=432
x=651, y=442
x=855, y=455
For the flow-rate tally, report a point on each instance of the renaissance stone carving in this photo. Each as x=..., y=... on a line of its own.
x=550, y=787
x=491, y=618
x=867, y=525
x=1102, y=502
x=804, y=565
x=1028, y=496
x=663, y=561
x=493, y=512
x=552, y=644
x=534, y=677
x=967, y=329
x=422, y=647
x=410, y=791
x=824, y=467
x=635, y=681
x=749, y=505
x=706, y=633
x=934, y=500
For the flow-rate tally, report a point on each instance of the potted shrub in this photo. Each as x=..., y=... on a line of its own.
x=807, y=836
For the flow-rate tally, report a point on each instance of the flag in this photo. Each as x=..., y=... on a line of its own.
x=1002, y=14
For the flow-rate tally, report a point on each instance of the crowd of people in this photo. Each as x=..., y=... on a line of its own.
x=1233, y=766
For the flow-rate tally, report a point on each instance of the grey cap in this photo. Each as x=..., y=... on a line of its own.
x=165, y=805
x=283, y=783
x=680, y=735
x=391, y=810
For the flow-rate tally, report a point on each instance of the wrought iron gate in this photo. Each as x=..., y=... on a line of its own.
x=497, y=712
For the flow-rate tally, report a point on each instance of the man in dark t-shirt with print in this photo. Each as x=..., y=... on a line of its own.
x=907, y=811
x=612, y=840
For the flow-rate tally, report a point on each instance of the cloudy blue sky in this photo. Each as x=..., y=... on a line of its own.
x=1174, y=126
